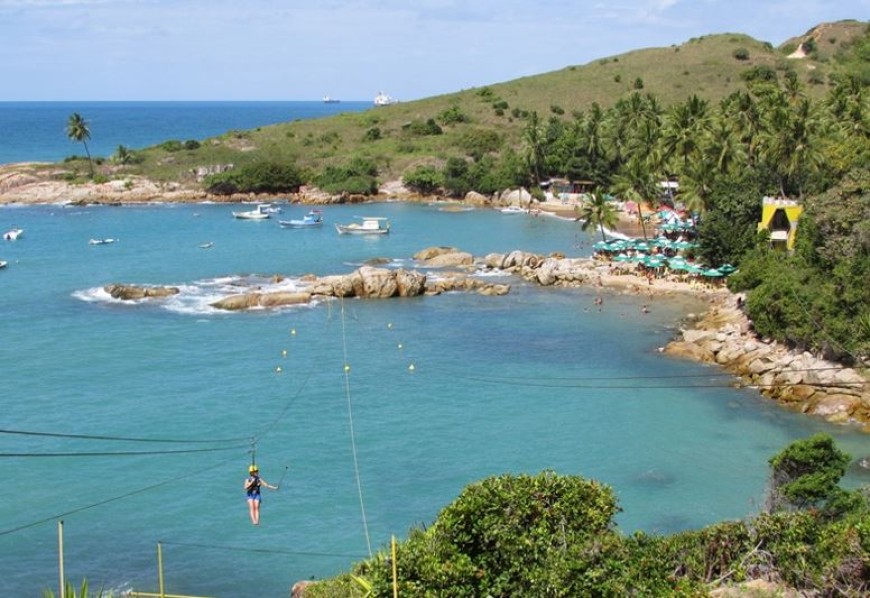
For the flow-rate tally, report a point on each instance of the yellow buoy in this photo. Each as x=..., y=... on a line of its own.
x=389, y=325
x=400, y=345
x=346, y=368
x=284, y=353
x=411, y=368
x=292, y=331
x=278, y=370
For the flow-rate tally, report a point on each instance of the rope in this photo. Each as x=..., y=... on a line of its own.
x=352, y=437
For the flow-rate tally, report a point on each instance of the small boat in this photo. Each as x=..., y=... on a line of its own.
x=260, y=213
x=513, y=210
x=12, y=234
x=208, y=245
x=101, y=241
x=329, y=100
x=312, y=219
x=3, y=264
x=370, y=225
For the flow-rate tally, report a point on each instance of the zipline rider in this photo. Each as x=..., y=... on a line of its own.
x=252, y=489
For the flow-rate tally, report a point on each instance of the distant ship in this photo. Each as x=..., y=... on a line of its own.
x=383, y=99
x=329, y=100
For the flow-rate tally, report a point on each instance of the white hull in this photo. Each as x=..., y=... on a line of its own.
x=13, y=234
x=368, y=226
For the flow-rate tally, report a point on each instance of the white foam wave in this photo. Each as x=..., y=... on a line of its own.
x=196, y=298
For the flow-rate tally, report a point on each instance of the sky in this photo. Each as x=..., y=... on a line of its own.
x=55, y=50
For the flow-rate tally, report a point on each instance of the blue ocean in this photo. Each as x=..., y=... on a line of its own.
x=133, y=423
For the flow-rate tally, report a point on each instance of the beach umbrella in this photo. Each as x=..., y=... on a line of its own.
x=601, y=246
x=621, y=257
x=652, y=261
x=711, y=273
x=726, y=269
x=678, y=266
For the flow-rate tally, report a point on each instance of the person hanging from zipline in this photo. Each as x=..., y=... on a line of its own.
x=253, y=483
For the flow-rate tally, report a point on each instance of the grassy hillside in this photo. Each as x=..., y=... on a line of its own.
x=710, y=66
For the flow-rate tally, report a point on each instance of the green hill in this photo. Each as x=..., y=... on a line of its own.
x=493, y=116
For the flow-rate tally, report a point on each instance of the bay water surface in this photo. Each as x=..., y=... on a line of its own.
x=134, y=422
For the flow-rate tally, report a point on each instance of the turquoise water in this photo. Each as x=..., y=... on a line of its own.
x=537, y=379
x=36, y=131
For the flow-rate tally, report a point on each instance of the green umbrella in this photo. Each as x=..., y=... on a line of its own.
x=621, y=257
x=726, y=269
x=712, y=273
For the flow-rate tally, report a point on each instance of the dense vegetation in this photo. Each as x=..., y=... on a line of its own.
x=552, y=535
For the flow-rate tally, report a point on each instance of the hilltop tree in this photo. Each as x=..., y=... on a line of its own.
x=77, y=129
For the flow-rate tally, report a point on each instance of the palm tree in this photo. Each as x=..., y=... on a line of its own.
x=534, y=137
x=636, y=182
x=597, y=211
x=77, y=130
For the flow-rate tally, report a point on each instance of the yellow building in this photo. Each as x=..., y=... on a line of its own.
x=780, y=217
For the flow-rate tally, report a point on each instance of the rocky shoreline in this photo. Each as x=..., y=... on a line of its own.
x=797, y=380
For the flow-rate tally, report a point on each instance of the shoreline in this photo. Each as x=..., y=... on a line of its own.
x=723, y=335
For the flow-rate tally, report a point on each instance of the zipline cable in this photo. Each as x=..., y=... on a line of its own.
x=122, y=453
x=352, y=437
x=119, y=438
x=263, y=550
x=109, y=500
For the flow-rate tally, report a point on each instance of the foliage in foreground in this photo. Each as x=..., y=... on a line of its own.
x=552, y=535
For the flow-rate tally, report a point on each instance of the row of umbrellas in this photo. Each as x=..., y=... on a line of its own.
x=677, y=264
x=620, y=245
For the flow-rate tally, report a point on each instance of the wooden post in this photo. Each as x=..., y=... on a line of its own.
x=395, y=569
x=160, y=569
x=62, y=591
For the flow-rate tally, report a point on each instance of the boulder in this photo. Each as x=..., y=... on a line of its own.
x=238, y=302
x=283, y=298
x=450, y=260
x=689, y=351
x=410, y=283
x=430, y=252
x=476, y=199
x=131, y=292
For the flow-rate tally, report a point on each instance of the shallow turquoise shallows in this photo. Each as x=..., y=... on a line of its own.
x=538, y=379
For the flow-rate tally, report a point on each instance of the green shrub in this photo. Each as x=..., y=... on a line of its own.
x=500, y=105
x=257, y=177
x=741, y=54
x=372, y=134
x=423, y=179
x=171, y=145
x=453, y=115
x=759, y=73
x=638, y=83
x=191, y=144
x=479, y=142
x=556, y=109
x=359, y=177
x=419, y=128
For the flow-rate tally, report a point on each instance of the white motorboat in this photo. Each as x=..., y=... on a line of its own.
x=513, y=210
x=330, y=100
x=369, y=225
x=260, y=213
x=101, y=241
x=3, y=264
x=383, y=99
x=312, y=219
x=12, y=234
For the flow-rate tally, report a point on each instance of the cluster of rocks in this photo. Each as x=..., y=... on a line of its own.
x=799, y=380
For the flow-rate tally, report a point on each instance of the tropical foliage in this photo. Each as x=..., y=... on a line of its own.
x=552, y=535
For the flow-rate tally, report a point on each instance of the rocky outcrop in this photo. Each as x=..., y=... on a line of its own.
x=252, y=300
x=132, y=292
x=798, y=380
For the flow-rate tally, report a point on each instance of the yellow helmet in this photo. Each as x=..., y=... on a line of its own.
x=253, y=468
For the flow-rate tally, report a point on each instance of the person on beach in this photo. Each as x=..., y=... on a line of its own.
x=252, y=489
